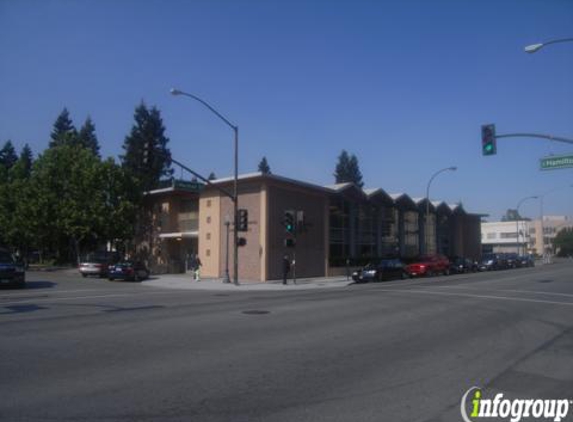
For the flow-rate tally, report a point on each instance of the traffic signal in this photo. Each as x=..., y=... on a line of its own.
x=290, y=243
x=488, y=144
x=290, y=221
x=243, y=220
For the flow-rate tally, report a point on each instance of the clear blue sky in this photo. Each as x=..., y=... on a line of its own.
x=404, y=85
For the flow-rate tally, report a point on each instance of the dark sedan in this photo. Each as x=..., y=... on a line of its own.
x=462, y=265
x=526, y=261
x=128, y=270
x=11, y=272
x=491, y=262
x=386, y=269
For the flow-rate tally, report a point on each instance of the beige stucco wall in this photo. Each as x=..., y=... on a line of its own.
x=210, y=227
x=250, y=256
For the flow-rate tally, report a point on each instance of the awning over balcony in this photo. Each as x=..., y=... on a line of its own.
x=180, y=235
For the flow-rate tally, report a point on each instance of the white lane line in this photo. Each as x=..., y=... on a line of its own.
x=517, y=299
x=59, y=299
x=507, y=290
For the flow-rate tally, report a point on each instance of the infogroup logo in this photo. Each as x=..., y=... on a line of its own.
x=514, y=410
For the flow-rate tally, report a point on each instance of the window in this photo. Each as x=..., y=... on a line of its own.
x=510, y=235
x=208, y=219
x=208, y=203
x=492, y=235
x=532, y=230
x=208, y=236
x=208, y=252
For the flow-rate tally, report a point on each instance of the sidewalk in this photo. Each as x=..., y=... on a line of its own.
x=185, y=282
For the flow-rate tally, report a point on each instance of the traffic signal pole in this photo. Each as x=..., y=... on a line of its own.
x=536, y=135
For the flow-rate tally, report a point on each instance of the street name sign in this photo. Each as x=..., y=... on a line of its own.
x=556, y=162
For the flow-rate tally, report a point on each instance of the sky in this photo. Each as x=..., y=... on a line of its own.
x=403, y=85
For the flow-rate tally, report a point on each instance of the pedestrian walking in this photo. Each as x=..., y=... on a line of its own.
x=195, y=265
x=286, y=268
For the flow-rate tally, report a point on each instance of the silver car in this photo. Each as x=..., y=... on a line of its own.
x=97, y=264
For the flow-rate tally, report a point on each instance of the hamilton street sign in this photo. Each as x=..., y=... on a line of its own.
x=556, y=162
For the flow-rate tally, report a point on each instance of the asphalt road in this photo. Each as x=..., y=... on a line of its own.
x=90, y=350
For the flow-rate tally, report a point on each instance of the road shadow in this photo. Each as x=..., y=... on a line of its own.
x=40, y=284
x=20, y=309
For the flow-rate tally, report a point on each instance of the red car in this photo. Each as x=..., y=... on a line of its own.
x=429, y=265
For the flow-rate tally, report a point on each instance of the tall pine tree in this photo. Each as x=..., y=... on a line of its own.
x=354, y=173
x=8, y=155
x=148, y=133
x=23, y=167
x=347, y=169
x=87, y=137
x=63, y=132
x=264, y=166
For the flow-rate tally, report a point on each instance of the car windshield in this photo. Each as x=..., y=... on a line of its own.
x=5, y=258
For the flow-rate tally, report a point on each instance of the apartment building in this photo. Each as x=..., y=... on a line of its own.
x=337, y=224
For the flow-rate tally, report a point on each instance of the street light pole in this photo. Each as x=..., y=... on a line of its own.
x=541, y=199
x=453, y=168
x=517, y=220
x=235, y=197
x=536, y=47
x=227, y=224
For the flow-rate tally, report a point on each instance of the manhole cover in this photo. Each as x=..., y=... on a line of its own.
x=256, y=312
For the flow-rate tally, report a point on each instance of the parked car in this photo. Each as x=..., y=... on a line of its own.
x=12, y=272
x=461, y=265
x=128, y=270
x=386, y=269
x=512, y=260
x=428, y=265
x=492, y=261
x=97, y=263
x=526, y=261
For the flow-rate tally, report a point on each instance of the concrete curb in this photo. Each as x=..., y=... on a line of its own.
x=184, y=282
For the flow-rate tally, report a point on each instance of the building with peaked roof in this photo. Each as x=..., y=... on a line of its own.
x=336, y=225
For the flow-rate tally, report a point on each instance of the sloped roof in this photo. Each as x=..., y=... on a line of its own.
x=349, y=188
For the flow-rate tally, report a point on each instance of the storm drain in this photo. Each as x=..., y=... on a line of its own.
x=256, y=312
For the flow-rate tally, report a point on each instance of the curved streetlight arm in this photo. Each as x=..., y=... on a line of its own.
x=176, y=92
x=536, y=47
x=432, y=179
x=452, y=168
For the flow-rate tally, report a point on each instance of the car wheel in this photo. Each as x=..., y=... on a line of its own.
x=403, y=276
x=84, y=275
x=136, y=277
x=447, y=272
